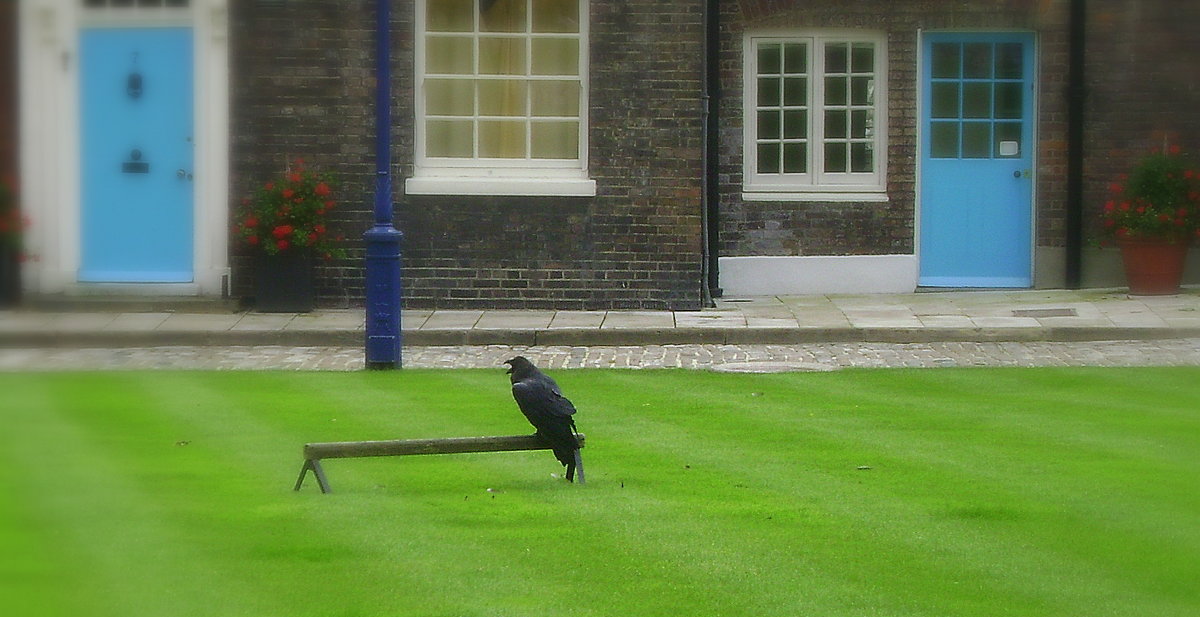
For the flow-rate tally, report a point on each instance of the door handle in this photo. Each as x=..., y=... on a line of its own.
x=183, y=174
x=1022, y=174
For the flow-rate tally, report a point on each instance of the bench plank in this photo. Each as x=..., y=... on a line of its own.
x=315, y=452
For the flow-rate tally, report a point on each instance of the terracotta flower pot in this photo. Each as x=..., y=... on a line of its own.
x=1153, y=267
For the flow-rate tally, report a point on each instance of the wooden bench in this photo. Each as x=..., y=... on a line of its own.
x=314, y=453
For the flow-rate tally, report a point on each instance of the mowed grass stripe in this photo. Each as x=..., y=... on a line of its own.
x=732, y=503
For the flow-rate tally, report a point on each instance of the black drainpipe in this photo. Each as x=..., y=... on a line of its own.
x=710, y=202
x=1076, y=93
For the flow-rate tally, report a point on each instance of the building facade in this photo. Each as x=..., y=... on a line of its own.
x=575, y=154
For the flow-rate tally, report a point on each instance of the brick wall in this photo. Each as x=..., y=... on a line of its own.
x=303, y=86
x=1143, y=88
x=820, y=228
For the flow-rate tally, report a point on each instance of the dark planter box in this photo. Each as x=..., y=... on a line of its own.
x=283, y=283
x=10, y=278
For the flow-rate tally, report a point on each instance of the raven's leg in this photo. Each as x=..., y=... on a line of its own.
x=570, y=472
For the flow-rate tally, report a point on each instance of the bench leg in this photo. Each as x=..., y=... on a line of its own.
x=576, y=467
x=315, y=466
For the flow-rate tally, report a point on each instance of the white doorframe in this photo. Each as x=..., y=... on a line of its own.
x=50, y=143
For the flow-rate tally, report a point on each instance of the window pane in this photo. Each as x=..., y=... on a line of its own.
x=1010, y=61
x=501, y=56
x=449, y=55
x=795, y=58
x=944, y=140
x=977, y=100
x=501, y=139
x=555, y=57
x=452, y=138
x=795, y=91
x=768, y=124
x=862, y=91
x=861, y=158
x=1009, y=100
x=945, y=99
x=502, y=16
x=837, y=57
x=862, y=58
x=977, y=60
x=769, y=59
x=449, y=15
x=835, y=158
x=947, y=58
x=555, y=140
x=768, y=158
x=768, y=92
x=502, y=97
x=554, y=98
x=795, y=158
x=795, y=124
x=976, y=140
x=449, y=97
x=556, y=15
x=835, y=91
x=861, y=123
x=836, y=124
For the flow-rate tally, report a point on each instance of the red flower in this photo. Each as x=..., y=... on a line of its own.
x=1110, y=206
x=329, y=204
x=287, y=193
x=1182, y=212
x=319, y=228
x=270, y=186
x=281, y=244
x=1164, y=218
x=252, y=240
x=312, y=238
x=1116, y=188
x=294, y=178
x=282, y=231
x=322, y=190
x=251, y=221
x=1174, y=149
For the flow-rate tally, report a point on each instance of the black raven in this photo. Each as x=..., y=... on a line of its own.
x=547, y=410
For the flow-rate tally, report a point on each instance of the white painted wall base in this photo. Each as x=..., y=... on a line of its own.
x=780, y=276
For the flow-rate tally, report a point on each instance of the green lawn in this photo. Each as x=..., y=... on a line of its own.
x=947, y=492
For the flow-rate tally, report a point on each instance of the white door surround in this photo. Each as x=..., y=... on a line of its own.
x=50, y=141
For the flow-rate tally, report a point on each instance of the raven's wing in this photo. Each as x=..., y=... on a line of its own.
x=550, y=413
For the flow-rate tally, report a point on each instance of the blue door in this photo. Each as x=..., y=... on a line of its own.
x=136, y=155
x=977, y=160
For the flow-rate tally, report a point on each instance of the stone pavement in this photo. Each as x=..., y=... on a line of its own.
x=1018, y=328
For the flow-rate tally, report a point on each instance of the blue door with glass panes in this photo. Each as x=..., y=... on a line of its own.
x=136, y=219
x=976, y=185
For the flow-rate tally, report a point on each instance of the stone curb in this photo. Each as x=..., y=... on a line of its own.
x=588, y=337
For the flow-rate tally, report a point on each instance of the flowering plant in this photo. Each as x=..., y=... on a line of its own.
x=289, y=214
x=1159, y=199
x=11, y=221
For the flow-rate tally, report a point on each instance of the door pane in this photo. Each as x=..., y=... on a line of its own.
x=977, y=140
x=450, y=55
x=768, y=158
x=977, y=100
x=555, y=56
x=947, y=60
x=1009, y=100
x=977, y=60
x=1010, y=61
x=944, y=140
x=945, y=100
x=501, y=56
x=449, y=15
x=556, y=16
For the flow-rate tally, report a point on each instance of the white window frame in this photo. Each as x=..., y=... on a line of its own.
x=813, y=185
x=497, y=176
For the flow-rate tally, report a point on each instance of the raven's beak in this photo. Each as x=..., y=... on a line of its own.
x=510, y=367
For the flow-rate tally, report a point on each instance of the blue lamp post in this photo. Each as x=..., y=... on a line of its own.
x=383, y=239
